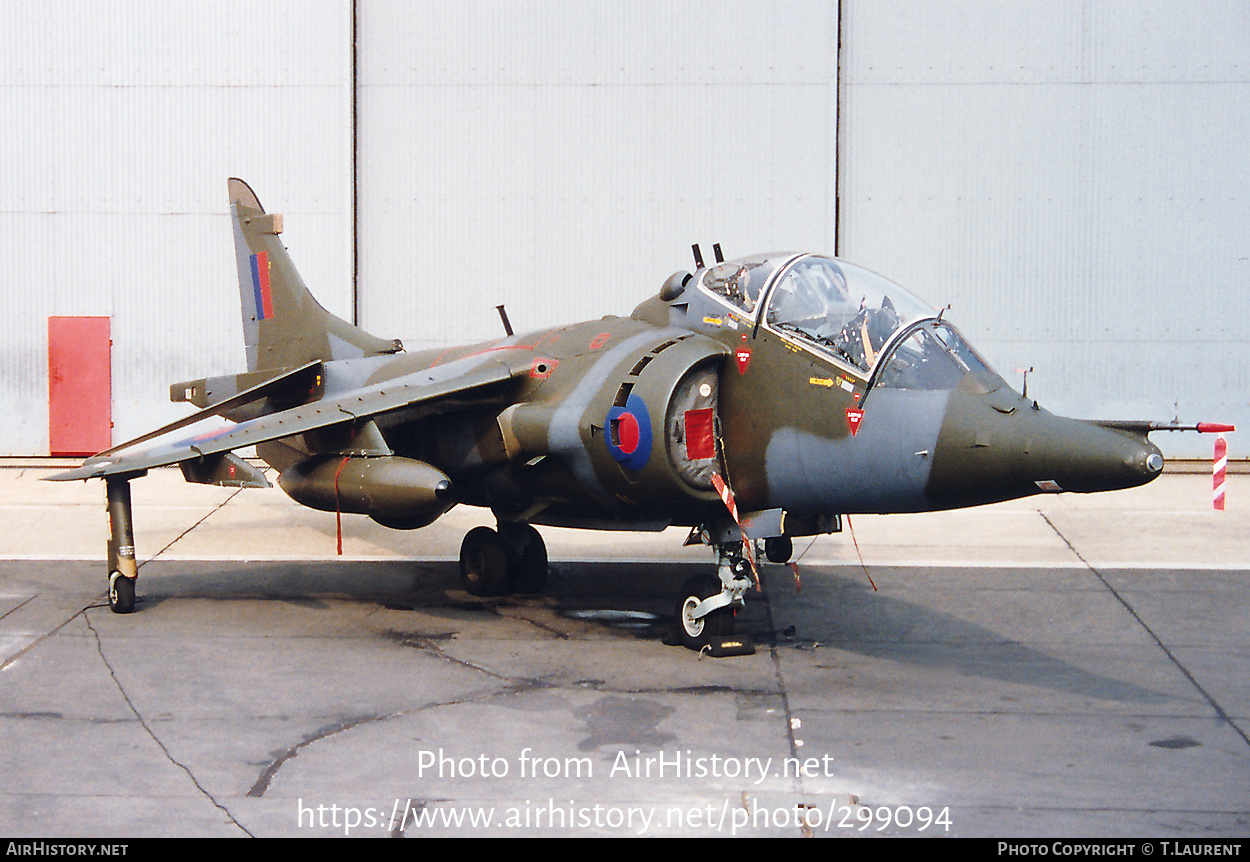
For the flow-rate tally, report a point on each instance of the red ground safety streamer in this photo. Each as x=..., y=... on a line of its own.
x=862, y=565
x=727, y=497
x=338, y=514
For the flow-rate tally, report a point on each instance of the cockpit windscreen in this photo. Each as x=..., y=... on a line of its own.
x=740, y=282
x=841, y=308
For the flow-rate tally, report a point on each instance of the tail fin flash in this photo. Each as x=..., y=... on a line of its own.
x=283, y=325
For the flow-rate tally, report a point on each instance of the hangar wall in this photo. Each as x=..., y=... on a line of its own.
x=559, y=157
x=119, y=124
x=1069, y=174
x=562, y=157
x=1072, y=177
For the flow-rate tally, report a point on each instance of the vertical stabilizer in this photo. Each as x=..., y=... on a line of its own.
x=283, y=325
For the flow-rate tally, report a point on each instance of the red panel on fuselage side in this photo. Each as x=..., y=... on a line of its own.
x=700, y=434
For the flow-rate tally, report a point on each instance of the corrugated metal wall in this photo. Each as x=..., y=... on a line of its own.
x=119, y=124
x=561, y=157
x=1072, y=177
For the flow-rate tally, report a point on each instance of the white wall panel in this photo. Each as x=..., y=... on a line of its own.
x=1072, y=177
x=174, y=43
x=562, y=157
x=119, y=124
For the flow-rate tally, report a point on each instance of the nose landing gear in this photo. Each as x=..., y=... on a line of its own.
x=706, y=605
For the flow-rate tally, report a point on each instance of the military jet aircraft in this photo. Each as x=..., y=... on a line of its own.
x=754, y=401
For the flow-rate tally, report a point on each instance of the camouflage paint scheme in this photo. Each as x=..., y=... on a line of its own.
x=813, y=388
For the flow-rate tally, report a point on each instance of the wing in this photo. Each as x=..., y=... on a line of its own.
x=272, y=386
x=417, y=388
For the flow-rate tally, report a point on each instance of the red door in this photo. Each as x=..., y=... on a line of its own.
x=80, y=396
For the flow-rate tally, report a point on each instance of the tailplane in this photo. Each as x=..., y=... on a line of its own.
x=283, y=325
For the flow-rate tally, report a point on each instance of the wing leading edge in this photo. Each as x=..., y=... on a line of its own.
x=420, y=387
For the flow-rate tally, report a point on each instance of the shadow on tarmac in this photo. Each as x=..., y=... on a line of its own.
x=835, y=611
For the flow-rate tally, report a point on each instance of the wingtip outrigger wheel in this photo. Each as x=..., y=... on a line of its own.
x=121, y=593
x=123, y=569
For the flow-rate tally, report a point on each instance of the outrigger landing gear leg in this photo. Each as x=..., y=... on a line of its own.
x=706, y=605
x=123, y=570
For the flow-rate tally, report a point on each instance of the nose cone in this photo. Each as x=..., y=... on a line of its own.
x=1083, y=456
x=999, y=446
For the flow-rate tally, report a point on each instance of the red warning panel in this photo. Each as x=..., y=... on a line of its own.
x=80, y=385
x=700, y=434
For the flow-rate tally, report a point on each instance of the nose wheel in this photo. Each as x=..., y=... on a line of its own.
x=696, y=626
x=706, y=605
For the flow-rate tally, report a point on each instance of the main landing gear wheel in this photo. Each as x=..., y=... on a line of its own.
x=511, y=560
x=484, y=562
x=527, y=569
x=697, y=633
x=121, y=593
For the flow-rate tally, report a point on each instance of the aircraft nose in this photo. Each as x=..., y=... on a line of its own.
x=1084, y=456
x=995, y=448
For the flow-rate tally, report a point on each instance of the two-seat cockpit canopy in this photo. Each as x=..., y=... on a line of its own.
x=849, y=314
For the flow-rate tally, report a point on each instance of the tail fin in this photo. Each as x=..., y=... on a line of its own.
x=283, y=325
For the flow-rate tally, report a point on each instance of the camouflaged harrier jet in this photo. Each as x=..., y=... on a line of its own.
x=753, y=401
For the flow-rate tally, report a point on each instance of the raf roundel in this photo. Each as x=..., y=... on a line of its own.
x=628, y=433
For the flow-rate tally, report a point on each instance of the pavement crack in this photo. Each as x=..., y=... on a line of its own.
x=30, y=646
x=179, y=537
x=16, y=608
x=520, y=615
x=147, y=728
x=1211, y=701
x=779, y=675
x=267, y=774
x=427, y=645
x=271, y=769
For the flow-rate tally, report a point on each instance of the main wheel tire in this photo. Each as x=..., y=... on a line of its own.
x=121, y=594
x=696, y=633
x=483, y=562
x=527, y=572
x=779, y=549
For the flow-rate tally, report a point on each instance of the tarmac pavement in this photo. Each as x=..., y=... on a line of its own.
x=1062, y=666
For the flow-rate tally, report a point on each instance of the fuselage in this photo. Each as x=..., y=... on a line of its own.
x=811, y=385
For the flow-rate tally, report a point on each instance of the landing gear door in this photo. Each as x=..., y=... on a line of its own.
x=693, y=427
